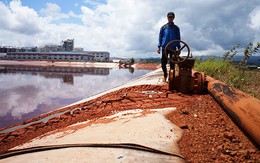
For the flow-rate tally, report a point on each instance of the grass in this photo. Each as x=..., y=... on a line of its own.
x=240, y=78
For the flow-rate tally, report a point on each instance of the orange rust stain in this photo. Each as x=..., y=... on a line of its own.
x=243, y=108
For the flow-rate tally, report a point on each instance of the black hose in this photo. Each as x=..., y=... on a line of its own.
x=11, y=153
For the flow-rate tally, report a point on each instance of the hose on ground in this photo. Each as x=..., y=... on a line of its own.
x=133, y=146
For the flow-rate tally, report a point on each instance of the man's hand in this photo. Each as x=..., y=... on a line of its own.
x=158, y=50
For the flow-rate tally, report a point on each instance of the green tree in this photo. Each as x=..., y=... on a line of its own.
x=132, y=61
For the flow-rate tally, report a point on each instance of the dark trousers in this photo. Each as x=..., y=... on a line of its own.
x=164, y=62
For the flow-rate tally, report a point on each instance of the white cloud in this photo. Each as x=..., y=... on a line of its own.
x=130, y=28
x=18, y=19
x=51, y=9
x=52, y=12
x=255, y=18
x=87, y=16
x=255, y=22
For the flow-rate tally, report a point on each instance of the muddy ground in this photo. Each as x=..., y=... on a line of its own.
x=209, y=134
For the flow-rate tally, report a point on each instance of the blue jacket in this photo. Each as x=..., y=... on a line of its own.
x=169, y=32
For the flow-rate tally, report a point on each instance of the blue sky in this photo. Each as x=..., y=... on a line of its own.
x=65, y=5
x=129, y=28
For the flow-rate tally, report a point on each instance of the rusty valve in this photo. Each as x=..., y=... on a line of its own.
x=184, y=79
x=176, y=52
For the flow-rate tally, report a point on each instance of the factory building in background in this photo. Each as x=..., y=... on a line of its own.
x=63, y=52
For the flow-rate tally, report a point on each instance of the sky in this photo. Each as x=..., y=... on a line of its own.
x=130, y=28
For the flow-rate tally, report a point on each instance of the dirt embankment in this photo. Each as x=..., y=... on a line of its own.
x=209, y=134
x=147, y=66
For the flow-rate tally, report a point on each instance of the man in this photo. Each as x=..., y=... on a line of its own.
x=168, y=32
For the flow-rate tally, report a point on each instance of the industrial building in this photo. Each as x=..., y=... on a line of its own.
x=68, y=44
x=63, y=52
x=59, y=56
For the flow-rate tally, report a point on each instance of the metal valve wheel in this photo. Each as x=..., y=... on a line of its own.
x=176, y=53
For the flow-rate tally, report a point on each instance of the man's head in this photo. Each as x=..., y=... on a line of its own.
x=170, y=16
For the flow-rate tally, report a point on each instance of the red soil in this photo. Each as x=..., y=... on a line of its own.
x=209, y=134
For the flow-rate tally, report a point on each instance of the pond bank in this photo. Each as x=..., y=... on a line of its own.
x=209, y=135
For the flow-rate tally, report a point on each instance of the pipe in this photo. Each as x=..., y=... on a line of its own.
x=241, y=107
x=133, y=146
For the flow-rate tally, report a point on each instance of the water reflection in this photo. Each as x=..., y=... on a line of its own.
x=65, y=73
x=28, y=91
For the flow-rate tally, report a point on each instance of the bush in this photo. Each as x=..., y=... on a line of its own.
x=237, y=76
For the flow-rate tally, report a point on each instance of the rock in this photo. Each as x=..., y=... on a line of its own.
x=77, y=111
x=229, y=135
x=233, y=153
x=220, y=147
x=147, y=101
x=30, y=128
x=98, y=103
x=184, y=112
x=110, y=99
x=224, y=157
x=126, y=101
x=18, y=132
x=39, y=124
x=10, y=138
x=108, y=107
x=147, y=105
x=174, y=96
x=35, y=126
x=162, y=95
x=184, y=127
x=65, y=116
x=27, y=121
x=251, y=151
x=86, y=107
x=53, y=120
x=3, y=136
x=234, y=140
x=116, y=104
x=165, y=87
x=135, y=95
